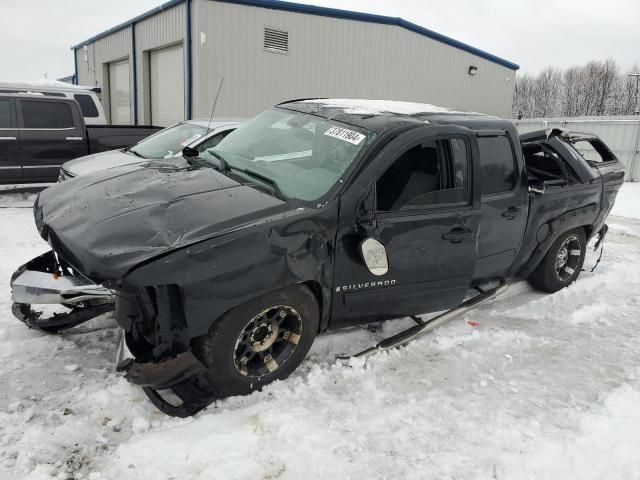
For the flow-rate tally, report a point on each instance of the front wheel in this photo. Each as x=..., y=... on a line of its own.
x=259, y=342
x=563, y=262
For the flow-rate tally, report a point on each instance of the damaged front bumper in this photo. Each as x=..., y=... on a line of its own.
x=174, y=379
x=157, y=375
x=177, y=386
x=45, y=280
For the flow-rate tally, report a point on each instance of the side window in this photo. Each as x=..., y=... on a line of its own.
x=5, y=114
x=87, y=105
x=498, y=164
x=213, y=141
x=43, y=114
x=432, y=173
x=593, y=150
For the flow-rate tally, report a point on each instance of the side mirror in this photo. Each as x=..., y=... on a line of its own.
x=190, y=152
x=537, y=187
x=374, y=255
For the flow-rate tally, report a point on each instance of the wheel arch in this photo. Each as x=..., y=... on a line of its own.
x=312, y=286
x=555, y=228
x=317, y=291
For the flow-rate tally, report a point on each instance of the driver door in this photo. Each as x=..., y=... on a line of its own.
x=417, y=198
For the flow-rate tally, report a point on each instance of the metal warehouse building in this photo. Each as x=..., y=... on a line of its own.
x=166, y=65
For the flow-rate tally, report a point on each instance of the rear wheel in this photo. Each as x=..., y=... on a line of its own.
x=563, y=262
x=259, y=342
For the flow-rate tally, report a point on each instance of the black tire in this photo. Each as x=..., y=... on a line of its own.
x=562, y=264
x=241, y=330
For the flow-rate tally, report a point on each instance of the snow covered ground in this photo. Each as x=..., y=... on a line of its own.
x=628, y=201
x=546, y=387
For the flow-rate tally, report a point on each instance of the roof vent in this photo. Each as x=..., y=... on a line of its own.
x=276, y=40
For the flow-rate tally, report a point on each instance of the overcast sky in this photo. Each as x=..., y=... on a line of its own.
x=36, y=35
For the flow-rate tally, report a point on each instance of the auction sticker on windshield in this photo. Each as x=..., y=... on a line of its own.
x=346, y=135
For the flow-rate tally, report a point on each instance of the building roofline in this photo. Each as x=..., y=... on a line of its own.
x=324, y=12
x=121, y=26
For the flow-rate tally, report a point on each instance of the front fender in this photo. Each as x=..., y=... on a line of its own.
x=219, y=274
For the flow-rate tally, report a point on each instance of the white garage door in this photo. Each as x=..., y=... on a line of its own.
x=167, y=86
x=119, y=93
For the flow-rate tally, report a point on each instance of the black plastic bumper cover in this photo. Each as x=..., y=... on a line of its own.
x=164, y=374
x=183, y=374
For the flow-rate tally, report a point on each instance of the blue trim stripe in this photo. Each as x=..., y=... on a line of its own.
x=134, y=61
x=328, y=12
x=75, y=67
x=189, y=58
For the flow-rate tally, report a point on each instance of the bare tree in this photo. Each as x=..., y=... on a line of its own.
x=545, y=92
x=523, y=95
x=596, y=88
x=571, y=80
x=606, y=73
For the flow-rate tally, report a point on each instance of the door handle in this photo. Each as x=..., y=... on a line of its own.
x=511, y=213
x=457, y=235
x=71, y=139
x=7, y=139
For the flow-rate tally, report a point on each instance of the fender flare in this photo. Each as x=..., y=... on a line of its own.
x=322, y=296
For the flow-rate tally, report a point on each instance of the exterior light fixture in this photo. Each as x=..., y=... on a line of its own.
x=473, y=70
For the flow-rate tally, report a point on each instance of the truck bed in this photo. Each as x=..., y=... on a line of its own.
x=566, y=192
x=111, y=137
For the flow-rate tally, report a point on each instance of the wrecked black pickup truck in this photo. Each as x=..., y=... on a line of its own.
x=313, y=215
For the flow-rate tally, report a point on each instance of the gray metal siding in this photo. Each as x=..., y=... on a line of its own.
x=94, y=70
x=334, y=58
x=161, y=30
x=330, y=57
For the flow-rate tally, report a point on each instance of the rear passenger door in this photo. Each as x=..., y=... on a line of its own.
x=504, y=204
x=51, y=132
x=10, y=168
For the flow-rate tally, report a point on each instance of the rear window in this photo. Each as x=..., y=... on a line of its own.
x=87, y=105
x=42, y=114
x=498, y=164
x=5, y=114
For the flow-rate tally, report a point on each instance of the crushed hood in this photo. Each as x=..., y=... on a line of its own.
x=104, y=224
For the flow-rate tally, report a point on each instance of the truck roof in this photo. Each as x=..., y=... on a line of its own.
x=46, y=85
x=36, y=95
x=383, y=115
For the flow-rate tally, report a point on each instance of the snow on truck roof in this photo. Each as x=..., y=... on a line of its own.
x=354, y=106
x=44, y=84
x=383, y=115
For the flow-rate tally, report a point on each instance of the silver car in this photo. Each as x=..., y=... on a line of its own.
x=167, y=143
